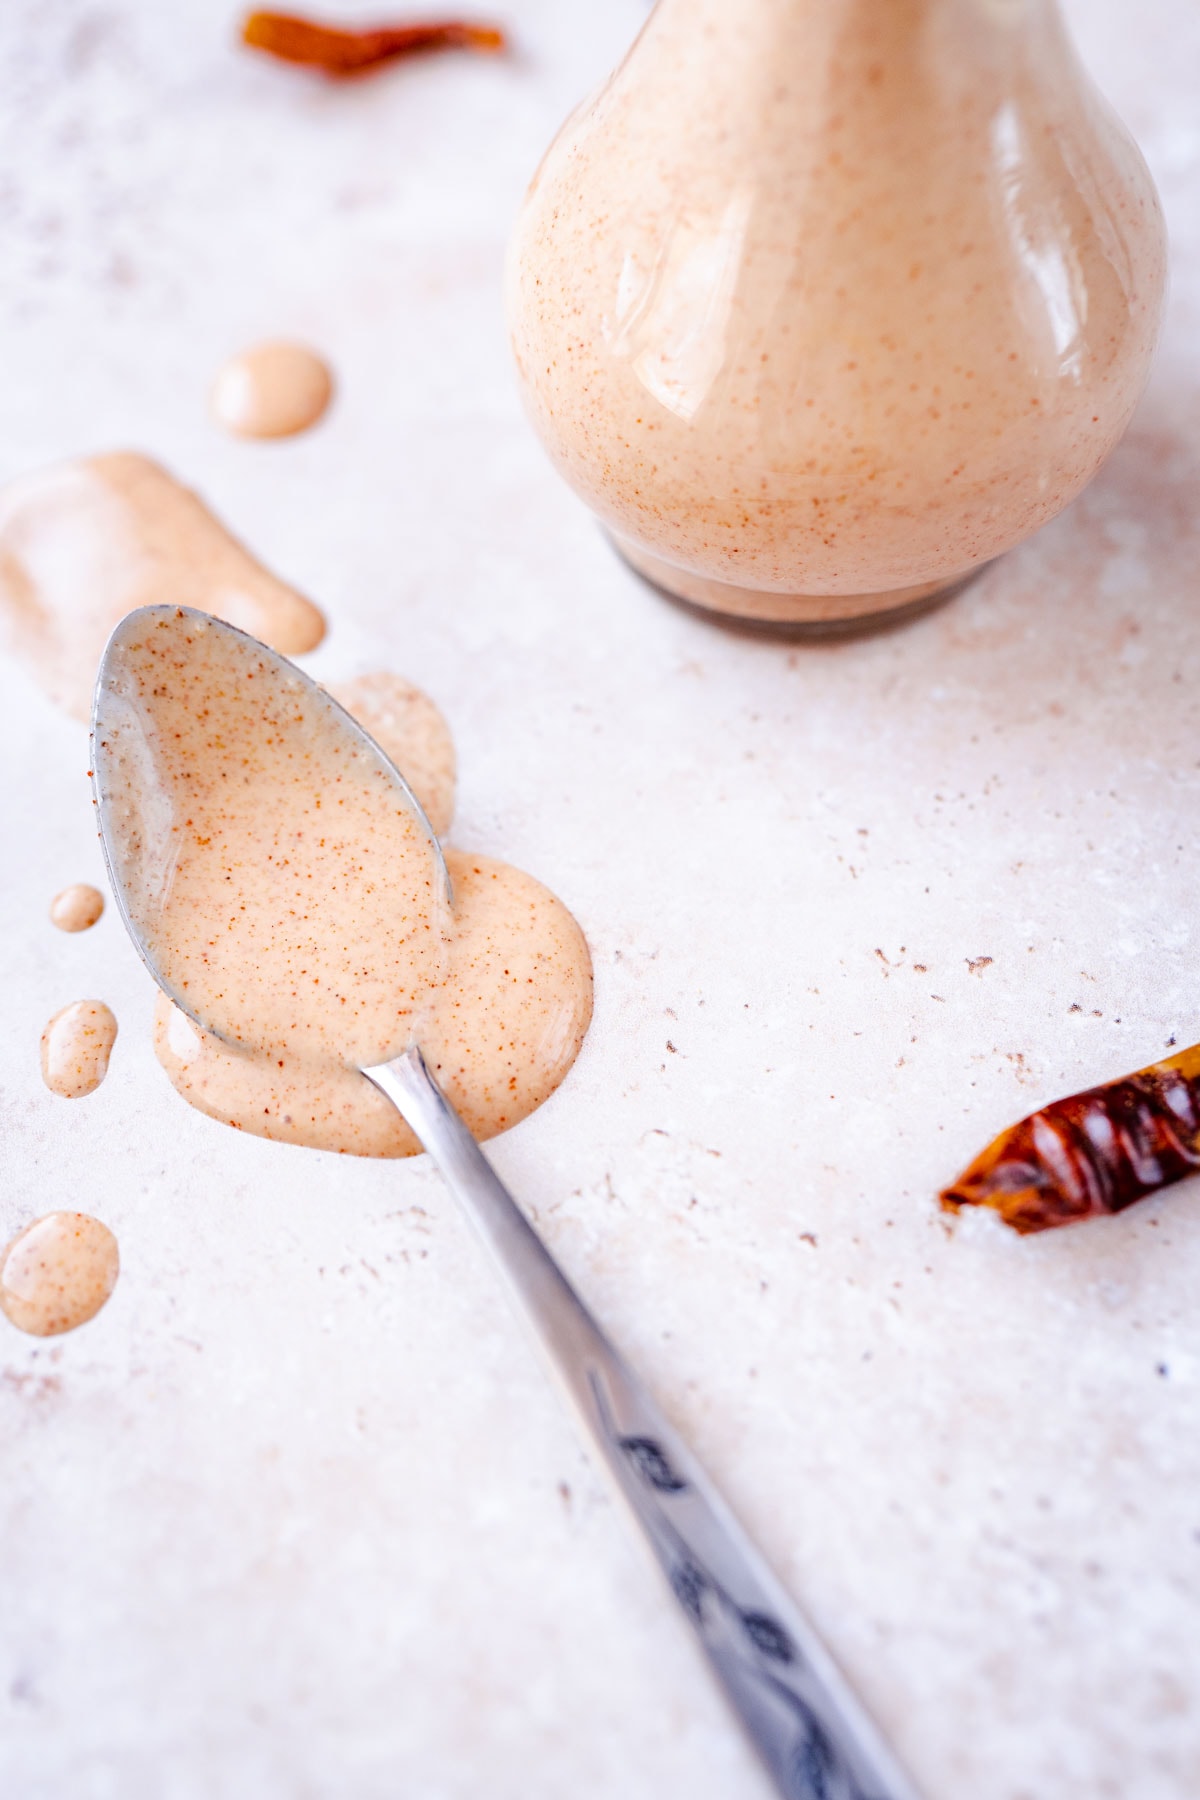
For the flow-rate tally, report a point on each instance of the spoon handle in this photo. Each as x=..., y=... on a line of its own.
x=801, y=1716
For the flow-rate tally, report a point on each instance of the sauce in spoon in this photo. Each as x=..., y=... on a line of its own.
x=291, y=899
x=285, y=888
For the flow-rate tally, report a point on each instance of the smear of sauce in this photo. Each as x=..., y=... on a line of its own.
x=412, y=733
x=58, y=1273
x=77, y=908
x=500, y=1035
x=273, y=390
x=85, y=543
x=76, y=1046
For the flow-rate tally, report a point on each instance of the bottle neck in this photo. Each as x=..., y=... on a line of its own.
x=924, y=37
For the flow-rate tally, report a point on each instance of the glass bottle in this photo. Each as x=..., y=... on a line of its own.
x=822, y=304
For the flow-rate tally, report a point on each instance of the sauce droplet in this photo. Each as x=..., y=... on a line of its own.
x=77, y=908
x=58, y=1273
x=272, y=390
x=76, y=1046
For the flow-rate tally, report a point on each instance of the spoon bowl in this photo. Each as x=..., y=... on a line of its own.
x=276, y=873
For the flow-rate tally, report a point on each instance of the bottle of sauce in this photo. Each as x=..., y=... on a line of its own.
x=822, y=304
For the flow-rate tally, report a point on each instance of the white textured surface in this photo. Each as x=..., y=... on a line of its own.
x=297, y=1517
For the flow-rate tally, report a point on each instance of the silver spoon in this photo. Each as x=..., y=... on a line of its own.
x=808, y=1727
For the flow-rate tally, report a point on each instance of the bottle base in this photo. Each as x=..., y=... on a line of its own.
x=765, y=614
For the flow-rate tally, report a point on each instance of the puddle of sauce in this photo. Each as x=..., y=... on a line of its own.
x=58, y=1273
x=500, y=1035
x=412, y=733
x=283, y=887
x=85, y=543
x=77, y=908
x=272, y=390
x=76, y=1046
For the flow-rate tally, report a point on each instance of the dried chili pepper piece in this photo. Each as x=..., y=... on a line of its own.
x=337, y=51
x=1092, y=1153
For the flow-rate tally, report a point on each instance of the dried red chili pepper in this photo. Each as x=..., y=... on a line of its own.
x=337, y=51
x=1092, y=1153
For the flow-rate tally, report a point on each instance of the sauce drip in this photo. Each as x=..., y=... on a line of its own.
x=57, y=1273
x=76, y=1046
x=272, y=390
x=85, y=543
x=77, y=908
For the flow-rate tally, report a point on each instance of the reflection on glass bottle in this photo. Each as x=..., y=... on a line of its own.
x=822, y=304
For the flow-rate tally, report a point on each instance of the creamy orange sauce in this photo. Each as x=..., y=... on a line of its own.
x=58, y=1273
x=411, y=732
x=293, y=902
x=76, y=908
x=286, y=891
x=821, y=306
x=273, y=390
x=76, y=1046
x=500, y=1035
x=85, y=543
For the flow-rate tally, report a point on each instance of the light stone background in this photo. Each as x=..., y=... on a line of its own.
x=297, y=1518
